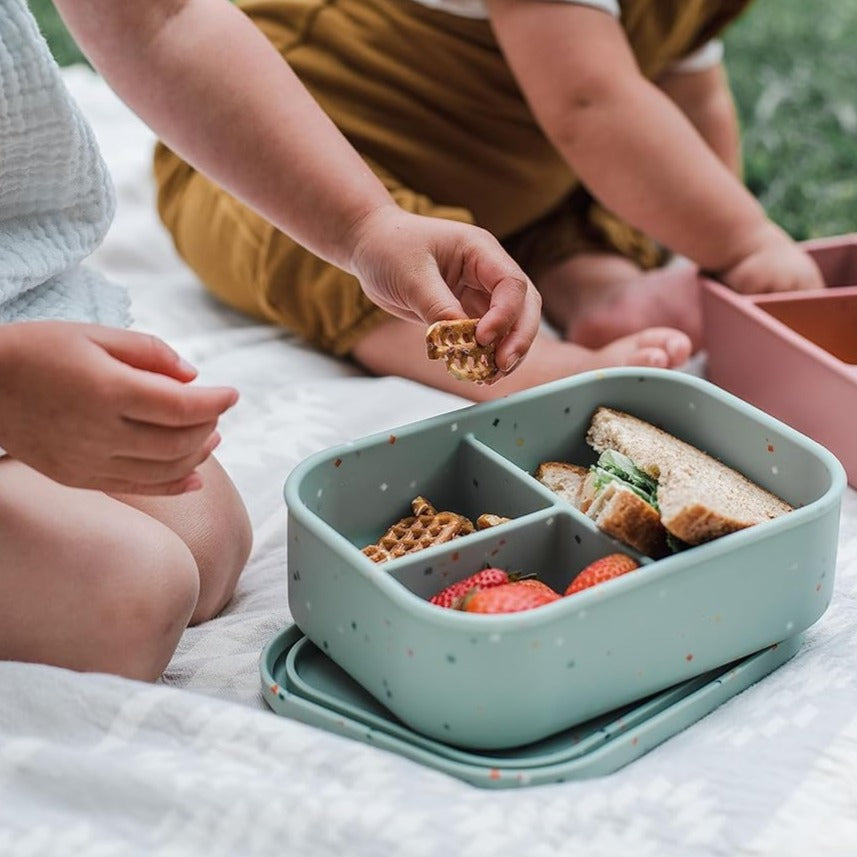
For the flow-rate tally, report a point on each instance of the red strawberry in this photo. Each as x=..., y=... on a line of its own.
x=606, y=568
x=455, y=592
x=510, y=597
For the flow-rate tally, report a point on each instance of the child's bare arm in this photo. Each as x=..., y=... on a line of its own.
x=217, y=92
x=705, y=98
x=634, y=149
x=201, y=75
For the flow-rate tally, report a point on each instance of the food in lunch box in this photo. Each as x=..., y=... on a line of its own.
x=455, y=342
x=601, y=570
x=617, y=509
x=510, y=597
x=461, y=594
x=483, y=522
x=453, y=595
x=655, y=492
x=422, y=529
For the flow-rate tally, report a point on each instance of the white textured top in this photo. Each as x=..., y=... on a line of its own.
x=706, y=57
x=56, y=198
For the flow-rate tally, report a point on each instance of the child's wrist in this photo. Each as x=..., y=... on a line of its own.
x=363, y=232
x=753, y=241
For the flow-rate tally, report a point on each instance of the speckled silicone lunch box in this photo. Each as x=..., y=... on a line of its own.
x=502, y=681
x=794, y=354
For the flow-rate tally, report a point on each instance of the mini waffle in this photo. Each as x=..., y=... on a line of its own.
x=455, y=342
x=417, y=532
x=421, y=506
x=483, y=522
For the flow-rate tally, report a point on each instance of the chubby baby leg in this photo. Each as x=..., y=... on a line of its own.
x=596, y=298
x=214, y=525
x=86, y=581
x=398, y=348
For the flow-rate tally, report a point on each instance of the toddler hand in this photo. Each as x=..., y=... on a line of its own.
x=776, y=265
x=96, y=407
x=428, y=269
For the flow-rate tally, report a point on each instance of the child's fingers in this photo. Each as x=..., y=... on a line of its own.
x=470, y=262
x=508, y=303
x=118, y=487
x=476, y=303
x=491, y=267
x=512, y=321
x=162, y=443
x=159, y=401
x=431, y=299
x=143, y=351
x=147, y=472
x=514, y=314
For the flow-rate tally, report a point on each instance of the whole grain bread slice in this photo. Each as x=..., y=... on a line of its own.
x=621, y=513
x=615, y=509
x=563, y=479
x=699, y=497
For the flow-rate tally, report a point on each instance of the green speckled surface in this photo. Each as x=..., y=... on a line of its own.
x=300, y=681
x=496, y=682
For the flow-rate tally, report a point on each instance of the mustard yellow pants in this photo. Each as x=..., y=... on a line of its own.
x=427, y=99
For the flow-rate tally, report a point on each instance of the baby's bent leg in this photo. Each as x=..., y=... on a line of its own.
x=87, y=582
x=397, y=347
x=571, y=288
x=593, y=299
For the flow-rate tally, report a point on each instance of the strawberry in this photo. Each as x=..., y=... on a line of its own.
x=606, y=568
x=453, y=595
x=510, y=597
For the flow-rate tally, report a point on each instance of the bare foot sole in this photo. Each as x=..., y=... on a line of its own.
x=667, y=296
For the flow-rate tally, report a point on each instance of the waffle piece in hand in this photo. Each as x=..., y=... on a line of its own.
x=455, y=342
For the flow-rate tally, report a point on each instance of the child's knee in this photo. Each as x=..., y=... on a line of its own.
x=221, y=551
x=144, y=603
x=218, y=576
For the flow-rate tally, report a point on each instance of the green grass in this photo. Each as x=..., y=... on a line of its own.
x=791, y=63
x=793, y=72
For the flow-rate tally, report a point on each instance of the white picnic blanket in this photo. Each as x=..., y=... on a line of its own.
x=197, y=764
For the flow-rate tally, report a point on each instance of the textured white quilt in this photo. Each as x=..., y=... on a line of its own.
x=197, y=765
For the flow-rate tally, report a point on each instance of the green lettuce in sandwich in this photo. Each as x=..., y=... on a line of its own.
x=655, y=492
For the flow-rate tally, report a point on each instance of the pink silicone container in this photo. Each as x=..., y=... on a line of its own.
x=794, y=354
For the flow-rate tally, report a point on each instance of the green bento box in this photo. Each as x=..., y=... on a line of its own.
x=502, y=681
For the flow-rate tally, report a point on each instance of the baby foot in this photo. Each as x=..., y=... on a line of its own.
x=551, y=359
x=666, y=296
x=661, y=347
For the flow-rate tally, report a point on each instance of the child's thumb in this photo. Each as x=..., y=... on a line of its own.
x=432, y=299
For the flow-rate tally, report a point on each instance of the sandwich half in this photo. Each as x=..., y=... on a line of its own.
x=617, y=505
x=644, y=473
